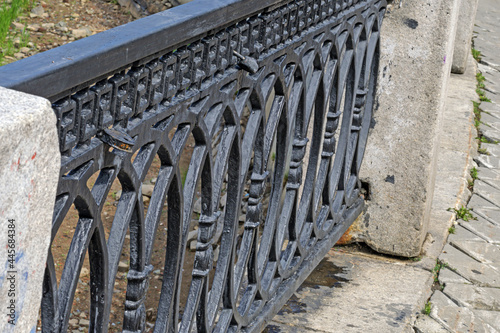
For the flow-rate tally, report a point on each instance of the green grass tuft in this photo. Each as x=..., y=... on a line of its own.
x=427, y=308
x=476, y=54
x=9, y=11
x=483, y=151
x=473, y=173
x=463, y=213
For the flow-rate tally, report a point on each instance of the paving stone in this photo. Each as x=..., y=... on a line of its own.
x=487, y=47
x=494, y=98
x=493, y=79
x=493, y=88
x=462, y=233
x=447, y=276
x=425, y=324
x=484, y=126
x=490, y=174
x=492, y=214
x=472, y=270
x=488, y=161
x=492, y=119
x=487, y=191
x=484, y=252
x=491, y=108
x=448, y=314
x=485, y=69
x=491, y=134
x=457, y=319
x=485, y=229
x=471, y=296
x=493, y=182
x=482, y=326
x=477, y=202
x=493, y=148
x=491, y=317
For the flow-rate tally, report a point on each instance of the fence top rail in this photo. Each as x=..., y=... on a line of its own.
x=49, y=73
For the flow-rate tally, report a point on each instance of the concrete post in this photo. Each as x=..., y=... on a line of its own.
x=463, y=38
x=29, y=172
x=417, y=40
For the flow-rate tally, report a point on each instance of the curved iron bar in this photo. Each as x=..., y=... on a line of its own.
x=278, y=96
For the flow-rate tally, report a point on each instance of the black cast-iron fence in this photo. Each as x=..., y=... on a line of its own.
x=270, y=103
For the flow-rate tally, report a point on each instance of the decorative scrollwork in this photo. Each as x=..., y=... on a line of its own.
x=274, y=164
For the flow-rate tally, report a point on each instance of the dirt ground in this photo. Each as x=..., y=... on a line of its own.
x=52, y=23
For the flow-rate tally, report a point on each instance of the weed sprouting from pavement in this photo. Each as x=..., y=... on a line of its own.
x=427, y=308
x=473, y=173
x=476, y=54
x=463, y=213
x=483, y=151
x=484, y=139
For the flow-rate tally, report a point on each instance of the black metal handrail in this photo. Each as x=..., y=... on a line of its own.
x=50, y=73
x=269, y=102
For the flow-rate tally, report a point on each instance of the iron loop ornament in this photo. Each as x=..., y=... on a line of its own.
x=254, y=131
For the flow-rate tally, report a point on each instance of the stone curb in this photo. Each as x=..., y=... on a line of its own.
x=456, y=154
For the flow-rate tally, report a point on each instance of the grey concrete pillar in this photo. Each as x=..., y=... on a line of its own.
x=463, y=38
x=417, y=42
x=29, y=172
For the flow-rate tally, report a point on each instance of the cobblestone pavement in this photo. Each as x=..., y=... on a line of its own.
x=470, y=261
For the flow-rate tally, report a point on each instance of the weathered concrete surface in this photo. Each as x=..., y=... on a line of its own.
x=463, y=36
x=400, y=160
x=378, y=295
x=29, y=171
x=455, y=154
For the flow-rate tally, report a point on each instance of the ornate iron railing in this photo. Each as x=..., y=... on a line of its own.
x=269, y=102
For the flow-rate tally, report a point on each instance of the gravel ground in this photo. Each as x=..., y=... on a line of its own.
x=52, y=23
